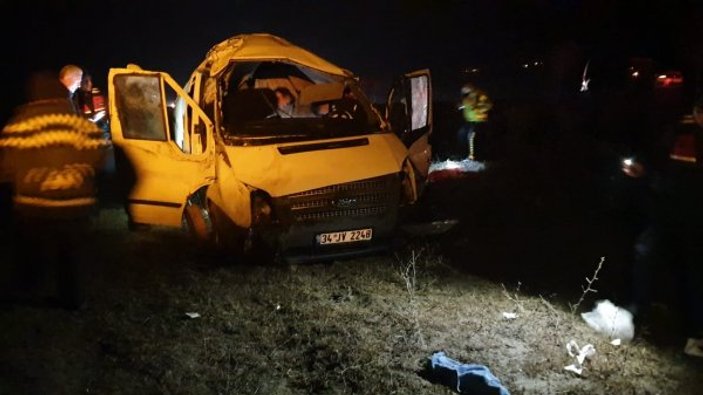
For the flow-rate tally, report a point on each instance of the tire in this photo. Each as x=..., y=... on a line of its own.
x=224, y=235
x=217, y=234
x=197, y=226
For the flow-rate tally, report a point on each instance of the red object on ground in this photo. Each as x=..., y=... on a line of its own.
x=449, y=174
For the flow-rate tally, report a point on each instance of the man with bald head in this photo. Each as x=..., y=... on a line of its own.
x=71, y=77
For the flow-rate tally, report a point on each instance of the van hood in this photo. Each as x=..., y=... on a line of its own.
x=284, y=169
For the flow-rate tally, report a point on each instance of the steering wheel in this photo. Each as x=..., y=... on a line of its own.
x=342, y=109
x=338, y=112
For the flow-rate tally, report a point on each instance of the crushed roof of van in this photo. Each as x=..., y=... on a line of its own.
x=260, y=47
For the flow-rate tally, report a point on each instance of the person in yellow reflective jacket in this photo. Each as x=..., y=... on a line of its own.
x=475, y=106
x=51, y=156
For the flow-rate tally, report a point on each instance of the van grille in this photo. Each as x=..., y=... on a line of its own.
x=361, y=212
x=374, y=184
x=372, y=197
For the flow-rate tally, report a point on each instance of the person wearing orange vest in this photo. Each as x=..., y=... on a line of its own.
x=673, y=236
x=91, y=102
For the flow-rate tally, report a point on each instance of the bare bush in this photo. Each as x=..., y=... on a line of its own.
x=588, y=288
x=514, y=296
x=408, y=273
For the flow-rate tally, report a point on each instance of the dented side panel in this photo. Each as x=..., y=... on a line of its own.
x=230, y=194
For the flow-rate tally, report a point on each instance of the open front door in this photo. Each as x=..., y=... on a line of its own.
x=409, y=112
x=168, y=149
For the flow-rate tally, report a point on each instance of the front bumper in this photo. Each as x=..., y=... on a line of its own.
x=365, y=204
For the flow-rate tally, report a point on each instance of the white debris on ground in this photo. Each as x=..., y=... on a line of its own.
x=580, y=354
x=465, y=165
x=611, y=320
x=192, y=315
x=509, y=316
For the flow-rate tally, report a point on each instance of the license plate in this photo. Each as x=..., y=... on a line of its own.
x=347, y=236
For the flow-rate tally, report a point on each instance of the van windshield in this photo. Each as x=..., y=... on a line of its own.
x=270, y=102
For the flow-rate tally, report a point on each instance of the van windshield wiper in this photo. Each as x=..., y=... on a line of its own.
x=265, y=139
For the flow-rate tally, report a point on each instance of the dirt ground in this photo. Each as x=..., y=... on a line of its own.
x=365, y=325
x=530, y=229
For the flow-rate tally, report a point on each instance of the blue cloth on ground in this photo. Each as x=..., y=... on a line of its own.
x=465, y=378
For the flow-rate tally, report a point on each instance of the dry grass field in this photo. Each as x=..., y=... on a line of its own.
x=365, y=325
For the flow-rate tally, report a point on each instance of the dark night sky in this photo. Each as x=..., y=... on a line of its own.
x=375, y=39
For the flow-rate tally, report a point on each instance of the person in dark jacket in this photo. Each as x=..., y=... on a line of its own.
x=71, y=77
x=672, y=238
x=51, y=156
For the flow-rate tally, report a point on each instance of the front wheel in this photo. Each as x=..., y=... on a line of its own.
x=225, y=236
x=196, y=223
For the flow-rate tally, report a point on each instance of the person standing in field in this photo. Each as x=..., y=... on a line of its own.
x=475, y=106
x=51, y=156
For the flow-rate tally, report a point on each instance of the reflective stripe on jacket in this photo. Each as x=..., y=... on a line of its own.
x=475, y=107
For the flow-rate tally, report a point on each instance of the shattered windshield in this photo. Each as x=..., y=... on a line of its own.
x=268, y=102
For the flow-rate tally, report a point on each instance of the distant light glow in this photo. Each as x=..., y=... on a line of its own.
x=584, y=80
x=584, y=85
x=668, y=79
x=635, y=74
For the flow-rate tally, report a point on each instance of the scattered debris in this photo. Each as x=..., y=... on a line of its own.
x=510, y=316
x=581, y=354
x=193, y=315
x=611, y=320
x=464, y=378
x=616, y=342
x=465, y=165
x=454, y=169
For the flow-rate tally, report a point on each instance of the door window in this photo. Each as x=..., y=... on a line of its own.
x=420, y=102
x=141, y=108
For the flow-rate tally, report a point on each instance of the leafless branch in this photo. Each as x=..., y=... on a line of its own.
x=514, y=297
x=408, y=272
x=588, y=288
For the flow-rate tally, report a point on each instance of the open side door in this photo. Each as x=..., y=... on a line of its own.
x=168, y=150
x=409, y=112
